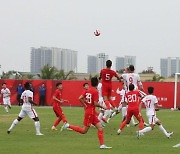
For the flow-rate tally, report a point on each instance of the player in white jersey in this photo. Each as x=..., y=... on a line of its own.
x=103, y=113
x=5, y=93
x=151, y=103
x=27, y=110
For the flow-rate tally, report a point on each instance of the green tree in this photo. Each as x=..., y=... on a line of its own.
x=48, y=72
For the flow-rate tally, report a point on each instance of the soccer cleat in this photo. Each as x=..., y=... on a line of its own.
x=53, y=128
x=103, y=124
x=65, y=126
x=8, y=131
x=169, y=135
x=145, y=124
x=135, y=124
x=39, y=134
x=105, y=147
x=118, y=132
x=137, y=134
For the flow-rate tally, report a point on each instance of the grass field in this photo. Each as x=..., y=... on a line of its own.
x=24, y=141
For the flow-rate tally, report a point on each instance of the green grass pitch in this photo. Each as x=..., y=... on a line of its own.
x=23, y=140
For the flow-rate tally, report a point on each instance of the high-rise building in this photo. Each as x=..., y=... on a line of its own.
x=96, y=63
x=169, y=66
x=123, y=62
x=92, y=64
x=62, y=59
x=101, y=61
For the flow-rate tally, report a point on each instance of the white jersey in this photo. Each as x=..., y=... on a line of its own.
x=5, y=92
x=131, y=78
x=25, y=95
x=122, y=93
x=149, y=102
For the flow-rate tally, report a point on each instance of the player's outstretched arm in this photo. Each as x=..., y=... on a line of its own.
x=31, y=101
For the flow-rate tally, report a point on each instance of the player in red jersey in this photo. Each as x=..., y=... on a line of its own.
x=89, y=100
x=133, y=108
x=57, y=100
x=106, y=75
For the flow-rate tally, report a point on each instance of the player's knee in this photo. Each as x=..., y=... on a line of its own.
x=36, y=119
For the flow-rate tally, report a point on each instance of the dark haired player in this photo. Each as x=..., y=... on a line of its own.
x=132, y=98
x=57, y=100
x=27, y=109
x=151, y=103
x=89, y=100
x=106, y=75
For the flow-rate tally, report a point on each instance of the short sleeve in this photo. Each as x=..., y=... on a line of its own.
x=8, y=91
x=155, y=100
x=30, y=95
x=56, y=93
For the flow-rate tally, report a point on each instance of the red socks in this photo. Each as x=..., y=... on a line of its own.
x=123, y=124
x=64, y=118
x=57, y=122
x=101, y=137
x=112, y=103
x=141, y=125
x=77, y=129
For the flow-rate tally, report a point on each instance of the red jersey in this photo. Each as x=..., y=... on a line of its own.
x=58, y=95
x=107, y=75
x=132, y=98
x=91, y=95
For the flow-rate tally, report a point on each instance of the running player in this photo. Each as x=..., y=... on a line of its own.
x=106, y=75
x=151, y=103
x=132, y=98
x=5, y=93
x=27, y=109
x=57, y=100
x=90, y=100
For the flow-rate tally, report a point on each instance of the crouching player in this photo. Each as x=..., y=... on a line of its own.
x=133, y=108
x=89, y=99
x=151, y=103
x=27, y=109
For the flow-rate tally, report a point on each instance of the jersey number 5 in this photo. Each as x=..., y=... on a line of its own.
x=107, y=76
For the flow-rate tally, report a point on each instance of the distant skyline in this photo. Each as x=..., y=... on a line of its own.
x=148, y=30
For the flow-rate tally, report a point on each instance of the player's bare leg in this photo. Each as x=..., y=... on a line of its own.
x=14, y=123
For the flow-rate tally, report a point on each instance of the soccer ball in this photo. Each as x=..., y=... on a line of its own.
x=97, y=32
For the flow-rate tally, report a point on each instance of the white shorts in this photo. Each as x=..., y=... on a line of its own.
x=152, y=119
x=28, y=112
x=6, y=101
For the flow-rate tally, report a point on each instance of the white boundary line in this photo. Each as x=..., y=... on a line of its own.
x=175, y=89
x=177, y=145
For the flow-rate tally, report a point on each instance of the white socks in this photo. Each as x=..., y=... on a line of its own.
x=163, y=130
x=106, y=113
x=100, y=116
x=145, y=130
x=37, y=126
x=6, y=109
x=14, y=123
x=124, y=111
x=133, y=121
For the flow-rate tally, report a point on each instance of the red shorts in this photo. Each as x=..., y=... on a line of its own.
x=58, y=111
x=90, y=119
x=106, y=90
x=131, y=112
